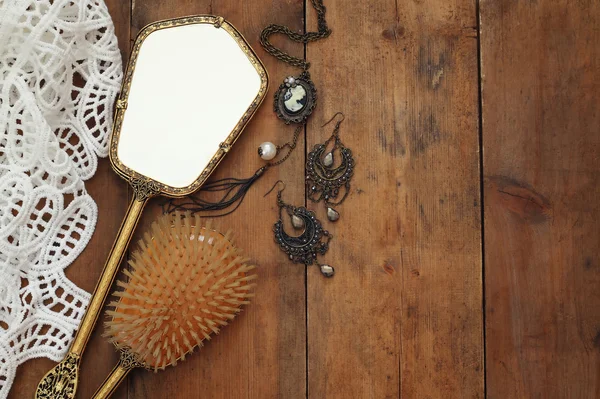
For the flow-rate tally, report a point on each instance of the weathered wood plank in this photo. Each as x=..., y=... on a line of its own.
x=540, y=69
x=263, y=353
x=403, y=315
x=110, y=194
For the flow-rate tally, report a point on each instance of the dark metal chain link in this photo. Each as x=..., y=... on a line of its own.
x=323, y=32
x=290, y=145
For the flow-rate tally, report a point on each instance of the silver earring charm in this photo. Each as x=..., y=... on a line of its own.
x=326, y=179
x=312, y=240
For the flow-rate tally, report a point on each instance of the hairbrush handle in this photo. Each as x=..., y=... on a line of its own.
x=127, y=362
x=61, y=381
x=111, y=382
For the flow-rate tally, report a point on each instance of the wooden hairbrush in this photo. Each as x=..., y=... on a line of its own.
x=184, y=284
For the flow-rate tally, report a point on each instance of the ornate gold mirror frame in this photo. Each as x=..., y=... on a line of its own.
x=61, y=381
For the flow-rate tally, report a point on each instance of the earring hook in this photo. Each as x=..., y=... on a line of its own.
x=273, y=188
x=335, y=116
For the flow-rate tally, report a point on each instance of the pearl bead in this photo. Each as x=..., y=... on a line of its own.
x=267, y=151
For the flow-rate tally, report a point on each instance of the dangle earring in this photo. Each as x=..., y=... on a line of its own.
x=325, y=179
x=312, y=241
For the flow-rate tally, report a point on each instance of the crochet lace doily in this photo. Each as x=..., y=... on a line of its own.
x=60, y=71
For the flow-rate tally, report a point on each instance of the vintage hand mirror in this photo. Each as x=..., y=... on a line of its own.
x=191, y=86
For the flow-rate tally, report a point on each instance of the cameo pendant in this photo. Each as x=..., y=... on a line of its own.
x=295, y=99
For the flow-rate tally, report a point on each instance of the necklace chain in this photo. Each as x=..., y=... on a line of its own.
x=234, y=190
x=323, y=32
x=290, y=146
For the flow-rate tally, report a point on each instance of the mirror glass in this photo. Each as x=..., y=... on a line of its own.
x=192, y=87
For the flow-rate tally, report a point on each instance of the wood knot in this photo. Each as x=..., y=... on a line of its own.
x=393, y=33
x=597, y=340
x=519, y=199
x=389, y=269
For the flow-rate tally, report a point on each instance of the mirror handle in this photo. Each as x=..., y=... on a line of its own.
x=62, y=379
x=108, y=275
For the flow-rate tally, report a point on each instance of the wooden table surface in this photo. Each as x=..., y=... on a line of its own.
x=467, y=253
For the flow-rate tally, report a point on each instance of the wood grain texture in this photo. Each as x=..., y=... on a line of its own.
x=402, y=317
x=262, y=354
x=110, y=194
x=540, y=70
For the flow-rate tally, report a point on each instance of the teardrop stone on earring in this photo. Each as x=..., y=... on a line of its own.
x=327, y=270
x=332, y=214
x=297, y=222
x=328, y=159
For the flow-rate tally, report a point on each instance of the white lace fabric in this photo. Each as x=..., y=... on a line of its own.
x=60, y=71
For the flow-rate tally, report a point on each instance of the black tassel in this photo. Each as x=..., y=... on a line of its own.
x=234, y=192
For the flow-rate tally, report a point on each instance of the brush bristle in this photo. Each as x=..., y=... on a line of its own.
x=185, y=283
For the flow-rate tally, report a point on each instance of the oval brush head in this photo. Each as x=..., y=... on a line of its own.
x=185, y=283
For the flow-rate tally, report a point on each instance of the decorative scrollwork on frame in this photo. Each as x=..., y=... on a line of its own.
x=129, y=359
x=61, y=381
x=144, y=188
